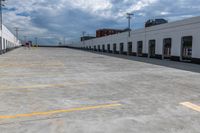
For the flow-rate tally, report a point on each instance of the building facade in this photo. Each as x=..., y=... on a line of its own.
x=7, y=40
x=179, y=41
x=107, y=32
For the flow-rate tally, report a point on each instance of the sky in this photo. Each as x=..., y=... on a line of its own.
x=53, y=21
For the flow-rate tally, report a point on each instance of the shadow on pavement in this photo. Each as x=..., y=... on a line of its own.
x=166, y=63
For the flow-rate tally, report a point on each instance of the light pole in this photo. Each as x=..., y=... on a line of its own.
x=16, y=33
x=1, y=7
x=1, y=22
x=25, y=37
x=17, y=30
x=64, y=41
x=36, y=41
x=129, y=22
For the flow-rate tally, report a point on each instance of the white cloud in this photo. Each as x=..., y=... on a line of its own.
x=164, y=13
x=91, y=5
x=99, y=8
x=135, y=6
x=141, y=4
x=71, y=17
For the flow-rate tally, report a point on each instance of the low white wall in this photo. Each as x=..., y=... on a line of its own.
x=8, y=39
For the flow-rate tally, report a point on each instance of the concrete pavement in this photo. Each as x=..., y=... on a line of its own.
x=58, y=90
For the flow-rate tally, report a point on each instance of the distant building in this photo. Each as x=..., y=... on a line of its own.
x=87, y=38
x=153, y=22
x=107, y=32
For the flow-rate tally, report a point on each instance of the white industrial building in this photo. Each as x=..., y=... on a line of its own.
x=178, y=41
x=8, y=40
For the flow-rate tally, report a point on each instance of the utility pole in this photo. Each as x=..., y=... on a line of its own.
x=83, y=33
x=83, y=39
x=36, y=41
x=17, y=33
x=25, y=37
x=129, y=16
x=63, y=41
x=17, y=30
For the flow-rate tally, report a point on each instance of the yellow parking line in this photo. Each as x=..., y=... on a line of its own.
x=34, y=65
x=59, y=111
x=44, y=85
x=30, y=87
x=191, y=106
x=24, y=75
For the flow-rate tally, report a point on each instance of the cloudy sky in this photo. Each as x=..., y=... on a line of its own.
x=53, y=20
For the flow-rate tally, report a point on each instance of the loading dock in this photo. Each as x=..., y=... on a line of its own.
x=121, y=48
x=4, y=45
x=99, y=48
x=161, y=42
x=108, y=48
x=186, y=54
x=139, y=48
x=130, y=48
x=152, y=48
x=1, y=49
x=95, y=48
x=103, y=48
x=167, y=44
x=114, y=48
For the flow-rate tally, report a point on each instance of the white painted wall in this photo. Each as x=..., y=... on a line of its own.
x=175, y=31
x=8, y=39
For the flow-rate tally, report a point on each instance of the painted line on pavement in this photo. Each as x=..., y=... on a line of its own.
x=4, y=87
x=60, y=111
x=191, y=106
